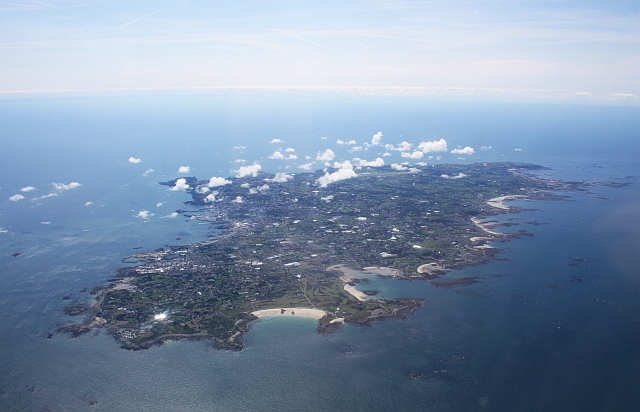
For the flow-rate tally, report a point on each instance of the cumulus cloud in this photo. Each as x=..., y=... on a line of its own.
x=159, y=204
x=88, y=203
x=458, y=176
x=172, y=215
x=184, y=169
x=62, y=186
x=46, y=196
x=16, y=198
x=238, y=199
x=355, y=149
x=326, y=156
x=485, y=148
x=344, y=172
x=249, y=170
x=240, y=161
x=402, y=147
x=398, y=167
x=341, y=142
x=435, y=146
x=239, y=147
x=263, y=188
x=327, y=198
x=202, y=190
x=28, y=189
x=144, y=214
x=292, y=157
x=245, y=185
x=46, y=222
x=211, y=197
x=324, y=138
x=148, y=171
x=415, y=155
x=276, y=155
x=464, y=151
x=180, y=186
x=306, y=166
x=385, y=154
x=280, y=177
x=376, y=139
x=289, y=149
x=276, y=141
x=517, y=149
x=218, y=181
x=134, y=160
x=373, y=163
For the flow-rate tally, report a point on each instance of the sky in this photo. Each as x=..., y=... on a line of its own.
x=577, y=49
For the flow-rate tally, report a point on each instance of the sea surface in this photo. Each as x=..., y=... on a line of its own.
x=537, y=334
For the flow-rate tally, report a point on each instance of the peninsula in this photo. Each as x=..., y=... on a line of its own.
x=284, y=245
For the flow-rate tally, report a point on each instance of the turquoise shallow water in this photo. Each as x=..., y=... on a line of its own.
x=529, y=337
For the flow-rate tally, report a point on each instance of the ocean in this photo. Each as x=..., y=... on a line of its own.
x=537, y=334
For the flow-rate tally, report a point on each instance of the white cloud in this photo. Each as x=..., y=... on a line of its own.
x=62, y=186
x=465, y=151
x=327, y=198
x=46, y=196
x=458, y=176
x=373, y=163
x=245, y=185
x=289, y=149
x=485, y=148
x=28, y=189
x=341, y=142
x=249, y=170
x=218, y=181
x=88, y=204
x=351, y=142
x=399, y=167
x=306, y=166
x=376, y=139
x=238, y=199
x=517, y=149
x=415, y=155
x=276, y=155
x=240, y=161
x=46, y=223
x=184, y=169
x=280, y=177
x=402, y=147
x=172, y=215
x=149, y=170
x=263, y=188
x=16, y=198
x=385, y=154
x=276, y=141
x=180, y=186
x=239, y=147
x=134, y=160
x=202, y=190
x=344, y=172
x=355, y=149
x=159, y=204
x=326, y=156
x=435, y=146
x=211, y=197
x=144, y=214
x=324, y=138
x=292, y=157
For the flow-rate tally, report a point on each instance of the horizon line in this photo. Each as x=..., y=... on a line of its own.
x=378, y=90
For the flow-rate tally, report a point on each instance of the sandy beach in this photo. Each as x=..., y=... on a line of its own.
x=301, y=312
x=483, y=226
x=497, y=201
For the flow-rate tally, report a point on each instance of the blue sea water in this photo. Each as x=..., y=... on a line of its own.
x=527, y=338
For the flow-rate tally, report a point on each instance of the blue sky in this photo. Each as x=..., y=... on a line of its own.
x=582, y=49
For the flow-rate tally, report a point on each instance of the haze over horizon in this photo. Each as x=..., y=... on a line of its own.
x=572, y=49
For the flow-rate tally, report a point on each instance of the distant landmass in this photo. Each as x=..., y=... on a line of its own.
x=285, y=246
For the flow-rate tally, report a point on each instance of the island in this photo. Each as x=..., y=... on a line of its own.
x=293, y=245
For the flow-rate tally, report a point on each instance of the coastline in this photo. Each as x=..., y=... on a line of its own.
x=284, y=312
